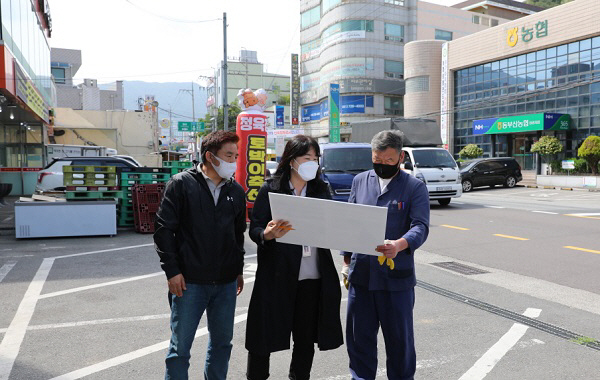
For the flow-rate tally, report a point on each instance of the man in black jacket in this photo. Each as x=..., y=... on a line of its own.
x=200, y=240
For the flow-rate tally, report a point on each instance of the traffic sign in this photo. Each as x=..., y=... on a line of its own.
x=190, y=126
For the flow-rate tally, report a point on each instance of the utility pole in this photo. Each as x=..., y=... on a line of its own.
x=170, y=135
x=224, y=75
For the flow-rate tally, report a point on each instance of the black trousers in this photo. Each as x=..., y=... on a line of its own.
x=304, y=334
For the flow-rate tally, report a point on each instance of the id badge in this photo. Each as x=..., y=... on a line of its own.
x=306, y=251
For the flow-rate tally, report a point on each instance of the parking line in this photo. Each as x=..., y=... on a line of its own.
x=546, y=212
x=6, y=268
x=494, y=206
x=118, y=360
x=510, y=237
x=488, y=361
x=454, y=227
x=11, y=344
x=88, y=287
x=581, y=249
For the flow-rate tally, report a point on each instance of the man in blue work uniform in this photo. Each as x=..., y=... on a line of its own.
x=383, y=295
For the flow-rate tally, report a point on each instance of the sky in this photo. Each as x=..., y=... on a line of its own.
x=175, y=40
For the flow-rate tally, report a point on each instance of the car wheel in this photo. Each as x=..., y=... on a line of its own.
x=467, y=185
x=510, y=182
x=444, y=202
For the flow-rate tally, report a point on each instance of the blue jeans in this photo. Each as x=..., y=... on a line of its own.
x=186, y=311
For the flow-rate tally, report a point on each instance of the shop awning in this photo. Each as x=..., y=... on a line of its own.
x=523, y=123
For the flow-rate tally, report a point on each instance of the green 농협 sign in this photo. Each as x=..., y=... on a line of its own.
x=522, y=123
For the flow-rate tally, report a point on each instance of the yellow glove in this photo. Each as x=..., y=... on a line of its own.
x=389, y=262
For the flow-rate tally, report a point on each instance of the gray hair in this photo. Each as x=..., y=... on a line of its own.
x=388, y=139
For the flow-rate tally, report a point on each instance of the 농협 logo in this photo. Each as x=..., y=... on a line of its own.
x=479, y=127
x=512, y=37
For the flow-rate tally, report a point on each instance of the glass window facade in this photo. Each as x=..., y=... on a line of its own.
x=393, y=105
x=443, y=35
x=310, y=17
x=348, y=26
x=393, y=69
x=59, y=75
x=328, y=4
x=417, y=84
x=561, y=79
x=23, y=35
x=394, y=32
x=395, y=2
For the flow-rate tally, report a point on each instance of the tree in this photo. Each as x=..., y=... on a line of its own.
x=283, y=100
x=547, y=147
x=233, y=111
x=590, y=151
x=470, y=151
x=546, y=3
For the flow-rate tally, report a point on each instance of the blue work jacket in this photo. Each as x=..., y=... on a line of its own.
x=407, y=201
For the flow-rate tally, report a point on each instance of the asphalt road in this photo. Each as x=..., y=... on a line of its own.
x=96, y=308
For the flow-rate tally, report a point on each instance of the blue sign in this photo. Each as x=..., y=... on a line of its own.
x=349, y=103
x=279, y=116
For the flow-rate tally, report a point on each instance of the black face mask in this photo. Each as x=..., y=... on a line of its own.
x=386, y=171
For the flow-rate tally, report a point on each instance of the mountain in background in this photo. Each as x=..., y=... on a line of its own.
x=168, y=95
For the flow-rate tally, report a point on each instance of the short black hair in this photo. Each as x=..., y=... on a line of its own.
x=215, y=141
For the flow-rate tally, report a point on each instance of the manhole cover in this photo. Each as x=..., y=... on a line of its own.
x=460, y=268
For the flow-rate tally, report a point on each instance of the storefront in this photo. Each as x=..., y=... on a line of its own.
x=514, y=136
x=540, y=65
x=27, y=92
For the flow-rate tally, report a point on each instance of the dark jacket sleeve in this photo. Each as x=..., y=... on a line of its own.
x=261, y=216
x=419, y=217
x=166, y=225
x=240, y=228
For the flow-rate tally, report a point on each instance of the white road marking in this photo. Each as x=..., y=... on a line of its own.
x=7, y=249
x=6, y=268
x=11, y=344
x=546, y=212
x=95, y=322
x=545, y=290
x=54, y=247
x=488, y=361
x=103, y=284
x=118, y=360
x=102, y=251
x=458, y=203
x=494, y=206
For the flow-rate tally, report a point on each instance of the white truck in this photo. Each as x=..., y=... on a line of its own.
x=423, y=156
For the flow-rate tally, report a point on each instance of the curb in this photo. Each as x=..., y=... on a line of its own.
x=561, y=188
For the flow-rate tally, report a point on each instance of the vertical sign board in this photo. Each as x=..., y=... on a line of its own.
x=444, y=127
x=295, y=90
x=334, y=112
x=250, y=173
x=279, y=110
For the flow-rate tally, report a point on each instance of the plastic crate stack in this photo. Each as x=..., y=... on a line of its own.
x=90, y=182
x=146, y=201
x=177, y=166
x=130, y=177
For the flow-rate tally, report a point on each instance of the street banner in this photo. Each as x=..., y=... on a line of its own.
x=295, y=90
x=334, y=113
x=252, y=130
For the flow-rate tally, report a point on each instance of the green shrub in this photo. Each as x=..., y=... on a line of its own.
x=470, y=151
x=590, y=151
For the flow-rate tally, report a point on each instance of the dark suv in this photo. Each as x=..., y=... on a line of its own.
x=494, y=171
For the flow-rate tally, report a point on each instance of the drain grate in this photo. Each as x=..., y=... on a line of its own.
x=531, y=322
x=460, y=268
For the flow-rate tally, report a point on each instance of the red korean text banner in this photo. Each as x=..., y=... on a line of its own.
x=250, y=173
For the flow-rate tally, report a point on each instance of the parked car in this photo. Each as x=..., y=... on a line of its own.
x=271, y=168
x=340, y=163
x=51, y=177
x=494, y=171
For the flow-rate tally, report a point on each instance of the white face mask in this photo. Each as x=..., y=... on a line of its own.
x=307, y=170
x=225, y=169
